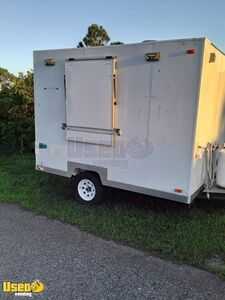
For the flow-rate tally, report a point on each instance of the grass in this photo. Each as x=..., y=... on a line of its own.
x=194, y=235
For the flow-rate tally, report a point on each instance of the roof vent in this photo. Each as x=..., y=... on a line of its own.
x=149, y=41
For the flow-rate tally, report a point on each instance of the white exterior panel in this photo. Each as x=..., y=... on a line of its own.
x=210, y=116
x=157, y=106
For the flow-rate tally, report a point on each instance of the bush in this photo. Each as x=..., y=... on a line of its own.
x=16, y=112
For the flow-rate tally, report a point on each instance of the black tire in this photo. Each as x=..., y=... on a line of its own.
x=87, y=188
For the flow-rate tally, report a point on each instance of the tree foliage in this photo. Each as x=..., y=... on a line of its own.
x=96, y=36
x=17, y=112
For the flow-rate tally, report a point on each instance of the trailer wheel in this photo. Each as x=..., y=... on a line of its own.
x=87, y=188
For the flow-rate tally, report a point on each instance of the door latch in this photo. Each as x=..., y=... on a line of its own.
x=63, y=126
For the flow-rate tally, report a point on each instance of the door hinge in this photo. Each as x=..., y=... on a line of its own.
x=116, y=131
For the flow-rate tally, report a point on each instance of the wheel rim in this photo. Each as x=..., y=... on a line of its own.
x=86, y=189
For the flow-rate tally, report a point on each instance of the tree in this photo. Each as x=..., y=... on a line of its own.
x=6, y=79
x=96, y=36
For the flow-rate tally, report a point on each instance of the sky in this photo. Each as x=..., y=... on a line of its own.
x=27, y=25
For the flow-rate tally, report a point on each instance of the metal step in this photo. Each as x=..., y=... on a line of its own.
x=215, y=190
x=216, y=193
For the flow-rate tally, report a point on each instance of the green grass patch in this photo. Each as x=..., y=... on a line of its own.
x=191, y=235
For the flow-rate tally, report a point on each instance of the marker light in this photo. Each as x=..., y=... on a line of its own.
x=191, y=51
x=178, y=190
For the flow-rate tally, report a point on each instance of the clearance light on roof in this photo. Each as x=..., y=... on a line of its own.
x=212, y=57
x=50, y=61
x=153, y=56
x=191, y=51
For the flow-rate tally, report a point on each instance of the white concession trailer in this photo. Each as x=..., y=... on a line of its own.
x=146, y=117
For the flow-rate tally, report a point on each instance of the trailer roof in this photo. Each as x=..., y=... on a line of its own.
x=130, y=44
x=138, y=44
